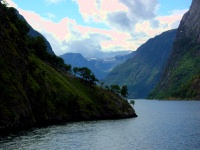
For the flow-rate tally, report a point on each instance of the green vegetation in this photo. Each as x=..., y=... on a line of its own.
x=124, y=91
x=132, y=102
x=183, y=82
x=181, y=76
x=38, y=47
x=115, y=88
x=37, y=87
x=142, y=72
x=86, y=74
x=121, y=91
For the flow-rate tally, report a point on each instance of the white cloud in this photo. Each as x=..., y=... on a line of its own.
x=11, y=4
x=130, y=26
x=51, y=16
x=54, y=1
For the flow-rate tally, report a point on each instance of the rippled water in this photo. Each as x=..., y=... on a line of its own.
x=161, y=125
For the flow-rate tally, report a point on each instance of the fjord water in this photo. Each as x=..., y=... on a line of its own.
x=161, y=125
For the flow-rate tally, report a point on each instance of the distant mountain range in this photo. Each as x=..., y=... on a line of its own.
x=100, y=54
x=77, y=60
x=142, y=72
x=107, y=64
x=111, y=54
x=99, y=66
x=181, y=76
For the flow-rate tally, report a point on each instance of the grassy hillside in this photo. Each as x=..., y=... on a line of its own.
x=181, y=77
x=36, y=90
x=142, y=72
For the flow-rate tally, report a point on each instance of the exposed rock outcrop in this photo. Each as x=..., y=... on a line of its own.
x=181, y=76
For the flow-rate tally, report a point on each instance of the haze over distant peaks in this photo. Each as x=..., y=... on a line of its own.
x=99, y=66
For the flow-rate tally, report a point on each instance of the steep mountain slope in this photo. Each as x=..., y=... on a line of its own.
x=35, y=93
x=142, y=72
x=181, y=77
x=32, y=32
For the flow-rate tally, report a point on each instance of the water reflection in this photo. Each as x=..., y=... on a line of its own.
x=160, y=125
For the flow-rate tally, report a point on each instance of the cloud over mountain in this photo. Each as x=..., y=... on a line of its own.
x=129, y=24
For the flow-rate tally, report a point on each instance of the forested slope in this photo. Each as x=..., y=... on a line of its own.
x=142, y=72
x=36, y=88
x=181, y=77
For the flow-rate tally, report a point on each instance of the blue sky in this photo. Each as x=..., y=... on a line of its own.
x=92, y=26
x=169, y=5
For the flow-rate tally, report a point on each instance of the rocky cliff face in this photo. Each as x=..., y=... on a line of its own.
x=190, y=23
x=181, y=76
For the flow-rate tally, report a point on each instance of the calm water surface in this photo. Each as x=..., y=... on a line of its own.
x=161, y=125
